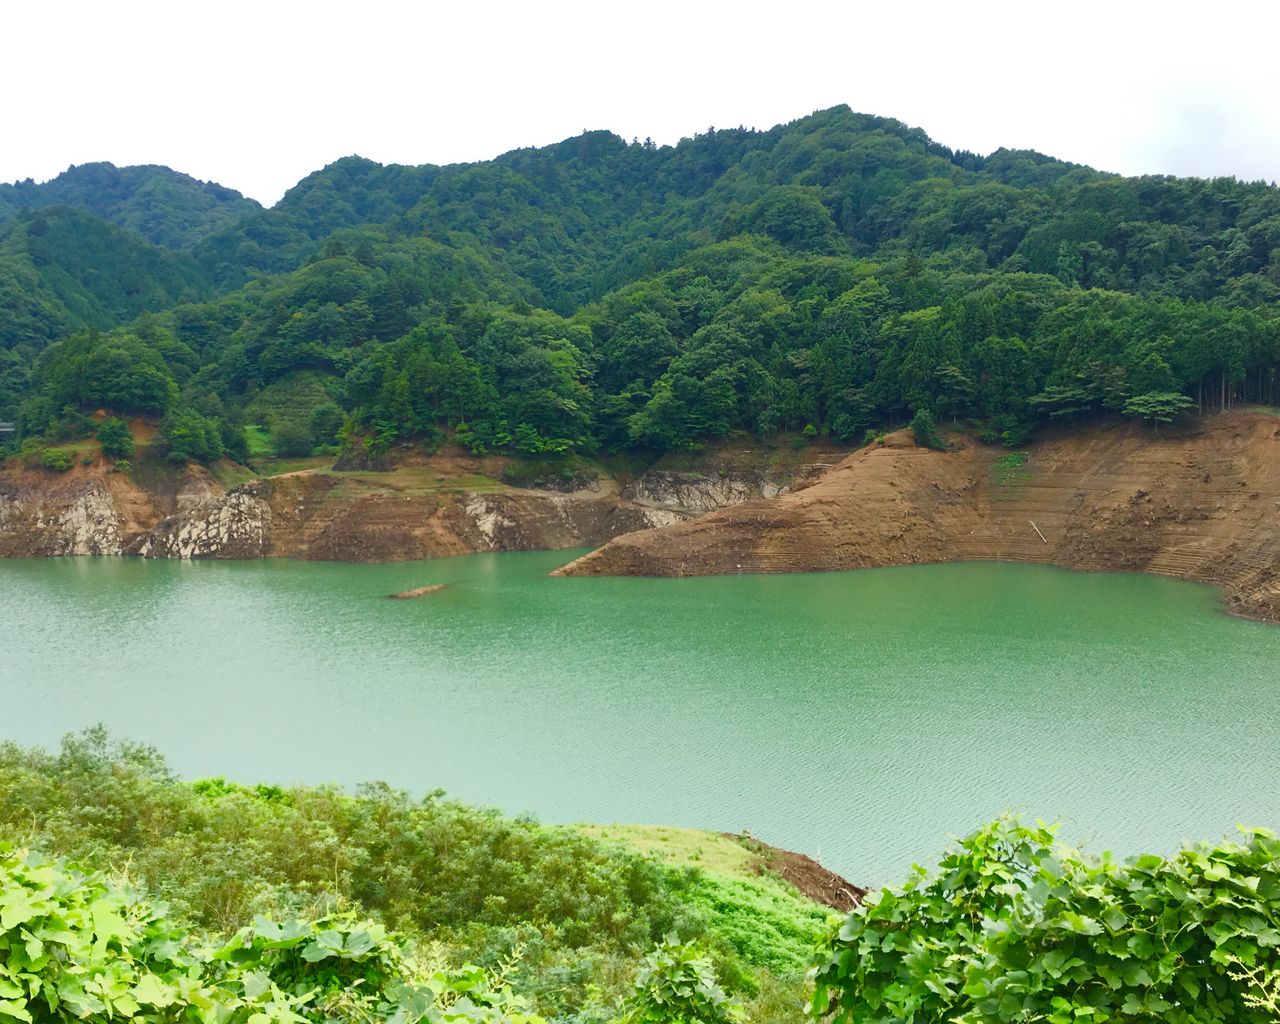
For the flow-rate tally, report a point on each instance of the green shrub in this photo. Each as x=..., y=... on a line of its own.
x=115, y=438
x=291, y=439
x=75, y=948
x=191, y=437
x=677, y=985
x=326, y=421
x=925, y=429
x=55, y=458
x=572, y=913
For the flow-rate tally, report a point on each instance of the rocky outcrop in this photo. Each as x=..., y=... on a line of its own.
x=694, y=493
x=1202, y=504
x=78, y=518
x=233, y=525
x=335, y=518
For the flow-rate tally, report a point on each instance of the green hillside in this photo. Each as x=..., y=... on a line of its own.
x=831, y=276
x=167, y=208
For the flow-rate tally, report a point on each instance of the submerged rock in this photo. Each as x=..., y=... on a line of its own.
x=430, y=588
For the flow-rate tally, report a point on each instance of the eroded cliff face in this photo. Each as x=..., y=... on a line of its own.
x=82, y=515
x=693, y=493
x=323, y=516
x=359, y=517
x=1202, y=504
x=422, y=509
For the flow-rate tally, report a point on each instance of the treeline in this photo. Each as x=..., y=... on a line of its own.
x=835, y=275
x=742, y=336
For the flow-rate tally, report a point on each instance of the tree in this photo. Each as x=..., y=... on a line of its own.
x=291, y=438
x=115, y=438
x=191, y=437
x=925, y=429
x=1157, y=406
x=326, y=421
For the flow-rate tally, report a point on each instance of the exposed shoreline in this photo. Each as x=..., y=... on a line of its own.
x=1201, y=504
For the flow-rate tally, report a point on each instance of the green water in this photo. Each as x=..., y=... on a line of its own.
x=862, y=717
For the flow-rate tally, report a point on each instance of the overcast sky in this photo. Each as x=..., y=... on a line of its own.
x=256, y=95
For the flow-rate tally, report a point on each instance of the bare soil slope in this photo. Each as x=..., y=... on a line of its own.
x=1201, y=503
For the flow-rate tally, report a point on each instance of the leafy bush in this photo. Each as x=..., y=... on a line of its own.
x=55, y=458
x=574, y=914
x=1011, y=926
x=75, y=948
x=115, y=438
x=291, y=439
x=191, y=437
x=677, y=985
x=925, y=429
x=326, y=422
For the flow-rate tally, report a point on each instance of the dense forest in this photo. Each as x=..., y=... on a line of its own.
x=831, y=276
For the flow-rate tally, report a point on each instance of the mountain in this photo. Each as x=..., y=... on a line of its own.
x=837, y=274
x=167, y=208
x=73, y=269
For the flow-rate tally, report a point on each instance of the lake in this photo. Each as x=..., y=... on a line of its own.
x=861, y=717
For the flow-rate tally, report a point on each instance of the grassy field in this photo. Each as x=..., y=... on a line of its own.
x=685, y=847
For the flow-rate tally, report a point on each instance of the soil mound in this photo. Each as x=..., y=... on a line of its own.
x=806, y=874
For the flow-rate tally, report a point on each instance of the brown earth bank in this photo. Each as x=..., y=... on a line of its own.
x=1201, y=502
x=803, y=872
x=445, y=504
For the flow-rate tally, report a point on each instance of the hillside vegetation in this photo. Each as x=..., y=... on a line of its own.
x=829, y=276
x=554, y=916
x=127, y=895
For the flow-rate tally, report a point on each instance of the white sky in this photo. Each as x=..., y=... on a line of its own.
x=256, y=95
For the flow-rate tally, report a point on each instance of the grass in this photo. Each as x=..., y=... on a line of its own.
x=232, y=474
x=762, y=918
x=275, y=467
x=259, y=441
x=684, y=847
x=1010, y=469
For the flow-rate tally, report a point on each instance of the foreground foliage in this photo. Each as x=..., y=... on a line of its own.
x=1012, y=926
x=76, y=948
x=678, y=984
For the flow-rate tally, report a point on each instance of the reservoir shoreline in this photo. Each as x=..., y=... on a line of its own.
x=1199, y=502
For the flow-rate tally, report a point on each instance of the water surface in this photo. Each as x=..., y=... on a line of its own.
x=861, y=717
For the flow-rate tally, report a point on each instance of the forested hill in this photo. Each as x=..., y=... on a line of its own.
x=165, y=207
x=832, y=275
